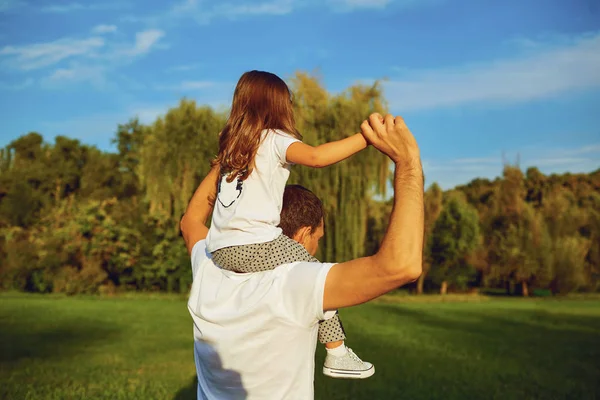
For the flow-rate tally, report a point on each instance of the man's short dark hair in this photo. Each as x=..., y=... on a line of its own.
x=300, y=208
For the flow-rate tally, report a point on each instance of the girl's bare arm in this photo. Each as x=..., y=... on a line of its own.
x=325, y=154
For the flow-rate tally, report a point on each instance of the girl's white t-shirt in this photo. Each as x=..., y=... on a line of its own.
x=247, y=212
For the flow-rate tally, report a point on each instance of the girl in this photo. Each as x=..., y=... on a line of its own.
x=256, y=148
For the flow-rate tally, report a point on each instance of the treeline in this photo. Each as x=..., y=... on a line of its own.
x=74, y=219
x=520, y=233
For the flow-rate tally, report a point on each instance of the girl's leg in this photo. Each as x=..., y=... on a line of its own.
x=332, y=331
x=258, y=257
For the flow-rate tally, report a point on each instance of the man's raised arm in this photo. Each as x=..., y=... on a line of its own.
x=399, y=259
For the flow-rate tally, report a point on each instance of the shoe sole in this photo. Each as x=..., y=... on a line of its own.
x=346, y=374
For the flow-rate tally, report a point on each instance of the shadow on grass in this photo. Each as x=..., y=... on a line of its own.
x=475, y=354
x=59, y=341
x=557, y=343
x=501, y=322
x=189, y=392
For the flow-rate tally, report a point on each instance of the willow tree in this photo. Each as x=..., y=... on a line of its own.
x=346, y=187
x=175, y=156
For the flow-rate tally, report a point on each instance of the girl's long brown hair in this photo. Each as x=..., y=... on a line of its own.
x=261, y=101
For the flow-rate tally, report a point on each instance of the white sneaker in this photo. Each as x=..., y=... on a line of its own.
x=348, y=366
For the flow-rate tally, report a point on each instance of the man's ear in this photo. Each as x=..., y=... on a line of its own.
x=302, y=234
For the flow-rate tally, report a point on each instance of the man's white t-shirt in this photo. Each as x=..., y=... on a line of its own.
x=255, y=334
x=248, y=212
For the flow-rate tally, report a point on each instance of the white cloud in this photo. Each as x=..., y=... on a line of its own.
x=76, y=74
x=593, y=148
x=349, y=5
x=71, y=7
x=100, y=29
x=229, y=10
x=62, y=8
x=277, y=7
x=39, y=55
x=45, y=54
x=189, y=86
x=570, y=66
x=450, y=173
x=560, y=161
x=185, y=6
x=475, y=160
x=104, y=63
x=184, y=67
x=92, y=60
x=144, y=41
x=205, y=13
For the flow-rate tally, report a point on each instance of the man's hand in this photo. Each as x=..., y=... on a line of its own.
x=392, y=137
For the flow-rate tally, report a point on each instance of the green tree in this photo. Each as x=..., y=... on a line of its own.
x=129, y=140
x=433, y=207
x=525, y=250
x=455, y=235
x=537, y=187
x=571, y=229
x=503, y=226
x=569, y=264
x=24, y=182
x=175, y=156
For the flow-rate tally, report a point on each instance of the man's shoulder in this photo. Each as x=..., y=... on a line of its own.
x=310, y=269
x=303, y=286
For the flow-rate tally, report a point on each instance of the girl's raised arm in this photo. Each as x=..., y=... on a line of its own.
x=325, y=154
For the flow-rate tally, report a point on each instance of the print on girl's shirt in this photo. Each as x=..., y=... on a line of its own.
x=229, y=192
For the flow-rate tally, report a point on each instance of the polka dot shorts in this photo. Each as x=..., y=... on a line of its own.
x=258, y=257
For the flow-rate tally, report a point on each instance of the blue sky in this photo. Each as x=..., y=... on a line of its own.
x=478, y=81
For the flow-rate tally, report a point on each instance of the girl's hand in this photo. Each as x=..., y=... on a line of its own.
x=374, y=115
x=392, y=137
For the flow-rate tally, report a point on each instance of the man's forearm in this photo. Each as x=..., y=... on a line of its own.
x=193, y=223
x=201, y=203
x=401, y=250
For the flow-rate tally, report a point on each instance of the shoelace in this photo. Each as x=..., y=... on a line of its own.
x=353, y=355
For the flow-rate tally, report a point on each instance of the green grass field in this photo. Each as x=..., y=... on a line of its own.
x=140, y=347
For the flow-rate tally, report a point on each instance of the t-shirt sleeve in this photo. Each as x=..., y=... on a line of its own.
x=302, y=292
x=281, y=142
x=199, y=254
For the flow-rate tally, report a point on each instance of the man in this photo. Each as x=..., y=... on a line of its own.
x=256, y=333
